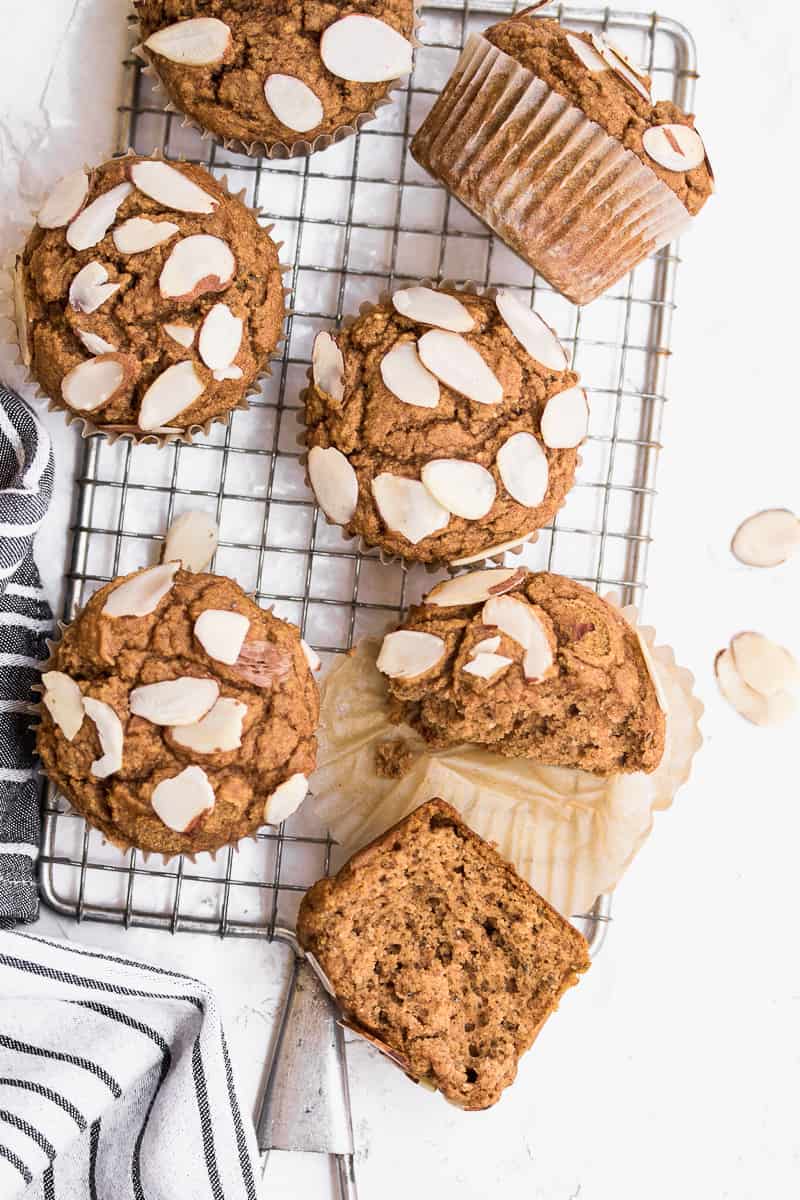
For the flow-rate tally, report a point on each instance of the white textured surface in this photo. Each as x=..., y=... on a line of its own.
x=672, y=1070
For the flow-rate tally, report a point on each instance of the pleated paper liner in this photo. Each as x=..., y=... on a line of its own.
x=571, y=834
x=12, y=294
x=494, y=552
x=564, y=195
x=301, y=148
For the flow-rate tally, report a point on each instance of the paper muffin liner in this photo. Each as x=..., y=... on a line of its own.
x=301, y=148
x=12, y=303
x=563, y=194
x=495, y=552
x=569, y=833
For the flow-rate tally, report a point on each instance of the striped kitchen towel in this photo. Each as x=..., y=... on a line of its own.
x=26, y=484
x=115, y=1082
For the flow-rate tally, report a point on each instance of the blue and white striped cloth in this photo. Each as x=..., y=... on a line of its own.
x=26, y=485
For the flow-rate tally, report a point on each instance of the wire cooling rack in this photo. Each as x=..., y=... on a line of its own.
x=356, y=220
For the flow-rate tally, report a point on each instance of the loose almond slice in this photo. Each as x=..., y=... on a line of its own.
x=621, y=65
x=221, y=634
x=763, y=664
x=180, y=701
x=519, y=621
x=427, y=306
x=92, y=225
x=492, y=551
x=286, y=799
x=334, y=482
x=474, y=588
x=142, y=593
x=21, y=311
x=191, y=540
x=767, y=539
x=533, y=334
x=565, y=420
x=761, y=710
x=139, y=233
x=94, y=343
x=262, y=663
x=466, y=489
x=365, y=50
x=64, y=202
x=63, y=700
x=407, y=507
x=312, y=658
x=95, y=382
x=170, y=393
x=90, y=288
x=328, y=366
x=486, y=646
x=224, y=373
x=407, y=653
x=407, y=379
x=587, y=54
x=181, y=801
x=170, y=187
x=486, y=666
x=293, y=102
x=198, y=264
x=674, y=147
x=220, y=337
x=110, y=733
x=219, y=731
x=198, y=42
x=182, y=334
x=460, y=366
x=523, y=468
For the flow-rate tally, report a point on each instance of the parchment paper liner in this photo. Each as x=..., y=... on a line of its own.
x=571, y=834
x=562, y=193
x=364, y=546
x=115, y=433
x=302, y=148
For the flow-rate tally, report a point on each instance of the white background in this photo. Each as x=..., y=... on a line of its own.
x=673, y=1069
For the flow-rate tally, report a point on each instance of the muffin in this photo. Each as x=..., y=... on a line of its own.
x=440, y=954
x=552, y=138
x=177, y=715
x=148, y=298
x=530, y=666
x=442, y=426
x=291, y=76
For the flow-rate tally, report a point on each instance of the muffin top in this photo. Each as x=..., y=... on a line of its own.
x=530, y=666
x=590, y=72
x=275, y=70
x=147, y=296
x=442, y=425
x=178, y=715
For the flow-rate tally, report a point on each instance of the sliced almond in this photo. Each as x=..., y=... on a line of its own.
x=170, y=393
x=218, y=732
x=652, y=670
x=312, y=658
x=141, y=595
x=65, y=201
x=767, y=539
x=293, y=102
x=63, y=700
x=170, y=187
x=182, y=334
x=474, y=587
x=191, y=540
x=139, y=234
x=587, y=54
x=427, y=306
x=519, y=621
x=180, y=701
x=286, y=799
x=365, y=50
x=220, y=337
x=460, y=366
x=96, y=382
x=761, y=710
x=407, y=653
x=492, y=551
x=487, y=646
x=21, y=312
x=198, y=264
x=90, y=288
x=110, y=732
x=198, y=42
x=565, y=420
x=674, y=147
x=334, y=482
x=181, y=801
x=94, y=222
x=406, y=378
x=466, y=489
x=224, y=373
x=621, y=65
x=533, y=334
x=262, y=663
x=407, y=507
x=763, y=664
x=327, y=366
x=94, y=343
x=522, y=464
x=486, y=666
x=221, y=633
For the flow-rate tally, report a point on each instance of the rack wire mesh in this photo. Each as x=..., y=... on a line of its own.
x=356, y=220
